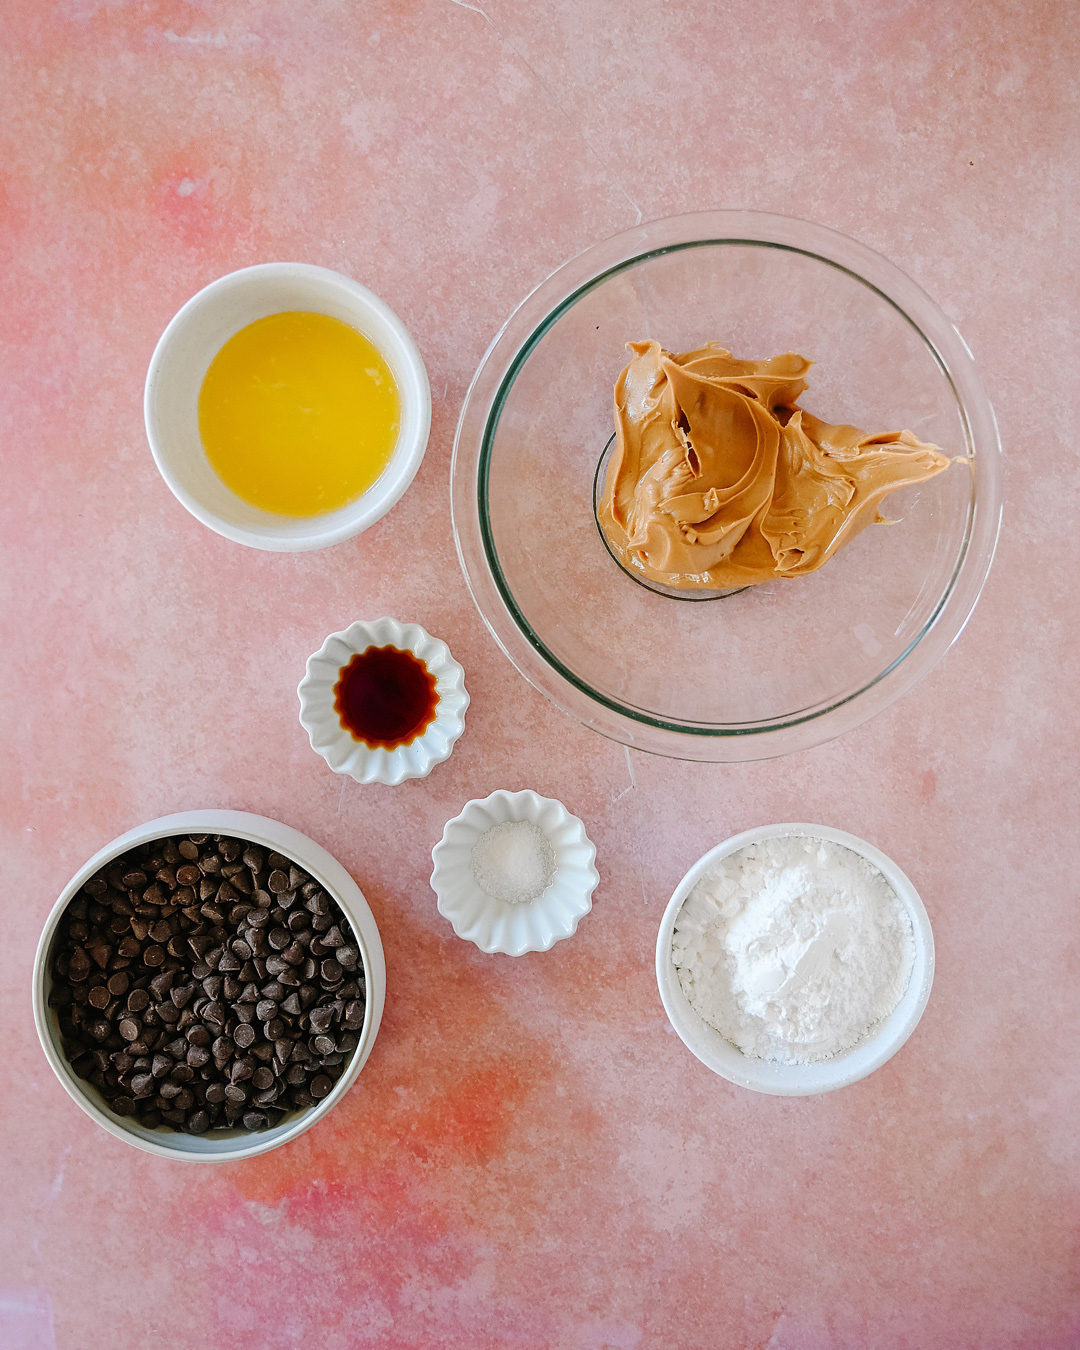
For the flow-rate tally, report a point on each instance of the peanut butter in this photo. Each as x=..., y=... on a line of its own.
x=718, y=479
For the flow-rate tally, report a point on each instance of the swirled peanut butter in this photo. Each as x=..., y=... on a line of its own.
x=719, y=479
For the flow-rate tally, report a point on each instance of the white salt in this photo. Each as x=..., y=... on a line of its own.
x=793, y=949
x=513, y=862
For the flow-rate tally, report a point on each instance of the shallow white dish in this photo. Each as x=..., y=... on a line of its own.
x=218, y=1145
x=194, y=337
x=798, y=1080
x=339, y=747
x=514, y=929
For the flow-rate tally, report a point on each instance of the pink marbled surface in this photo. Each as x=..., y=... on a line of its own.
x=530, y=1158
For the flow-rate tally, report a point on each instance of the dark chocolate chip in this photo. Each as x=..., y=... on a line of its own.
x=244, y=1035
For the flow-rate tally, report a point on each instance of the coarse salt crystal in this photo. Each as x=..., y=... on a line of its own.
x=513, y=862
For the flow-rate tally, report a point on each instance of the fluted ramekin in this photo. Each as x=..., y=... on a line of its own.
x=341, y=750
x=497, y=925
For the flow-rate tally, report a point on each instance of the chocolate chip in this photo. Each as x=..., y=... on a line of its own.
x=198, y=1122
x=321, y=1086
x=153, y=956
x=244, y=1035
x=130, y=1029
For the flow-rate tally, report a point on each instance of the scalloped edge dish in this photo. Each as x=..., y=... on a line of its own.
x=341, y=750
x=514, y=929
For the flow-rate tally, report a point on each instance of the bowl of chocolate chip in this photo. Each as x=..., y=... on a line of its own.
x=209, y=985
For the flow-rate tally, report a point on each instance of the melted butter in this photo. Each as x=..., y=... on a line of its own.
x=298, y=414
x=718, y=479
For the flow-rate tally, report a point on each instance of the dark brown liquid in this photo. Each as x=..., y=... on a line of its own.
x=385, y=697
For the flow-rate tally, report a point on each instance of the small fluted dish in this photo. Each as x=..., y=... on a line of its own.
x=533, y=925
x=341, y=750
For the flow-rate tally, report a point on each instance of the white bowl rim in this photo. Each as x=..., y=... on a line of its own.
x=404, y=762
x=788, y=1080
x=530, y=806
x=407, y=456
x=325, y=868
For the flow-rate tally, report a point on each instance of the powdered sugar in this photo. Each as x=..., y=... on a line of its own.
x=793, y=949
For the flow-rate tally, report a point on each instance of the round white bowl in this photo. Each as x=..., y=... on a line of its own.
x=217, y=1145
x=180, y=362
x=341, y=750
x=798, y=1080
x=534, y=925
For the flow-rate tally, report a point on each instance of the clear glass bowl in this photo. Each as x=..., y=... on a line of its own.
x=772, y=668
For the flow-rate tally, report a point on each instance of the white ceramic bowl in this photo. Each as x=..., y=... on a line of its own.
x=534, y=925
x=798, y=1080
x=341, y=750
x=217, y=1145
x=180, y=362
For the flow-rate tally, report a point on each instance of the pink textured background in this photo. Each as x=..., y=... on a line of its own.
x=530, y=1158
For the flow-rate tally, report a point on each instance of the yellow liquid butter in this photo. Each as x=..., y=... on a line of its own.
x=298, y=414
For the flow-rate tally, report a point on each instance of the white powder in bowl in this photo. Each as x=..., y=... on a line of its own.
x=793, y=949
x=513, y=862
